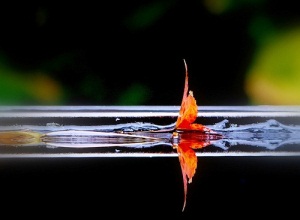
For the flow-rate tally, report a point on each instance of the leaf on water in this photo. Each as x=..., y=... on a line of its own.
x=188, y=110
x=187, y=115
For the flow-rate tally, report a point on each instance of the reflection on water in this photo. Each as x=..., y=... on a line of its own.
x=269, y=135
x=149, y=132
x=146, y=130
x=147, y=138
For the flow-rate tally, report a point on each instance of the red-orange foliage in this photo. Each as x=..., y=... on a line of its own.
x=187, y=115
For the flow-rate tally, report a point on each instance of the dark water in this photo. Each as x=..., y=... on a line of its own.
x=252, y=171
x=222, y=187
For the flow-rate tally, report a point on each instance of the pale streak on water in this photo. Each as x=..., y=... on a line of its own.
x=266, y=130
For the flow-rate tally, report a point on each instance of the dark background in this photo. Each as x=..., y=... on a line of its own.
x=223, y=187
x=131, y=53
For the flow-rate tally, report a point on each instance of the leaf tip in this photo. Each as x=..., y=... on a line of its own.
x=185, y=65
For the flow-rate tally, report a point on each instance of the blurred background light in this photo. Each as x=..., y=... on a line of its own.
x=131, y=53
x=274, y=75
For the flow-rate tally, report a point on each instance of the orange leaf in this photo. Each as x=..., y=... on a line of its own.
x=195, y=144
x=188, y=110
x=188, y=163
x=187, y=115
x=193, y=136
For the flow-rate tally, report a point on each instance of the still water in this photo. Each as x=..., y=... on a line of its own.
x=122, y=131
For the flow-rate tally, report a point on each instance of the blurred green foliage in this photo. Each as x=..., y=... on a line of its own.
x=275, y=73
x=20, y=87
x=146, y=15
x=130, y=53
